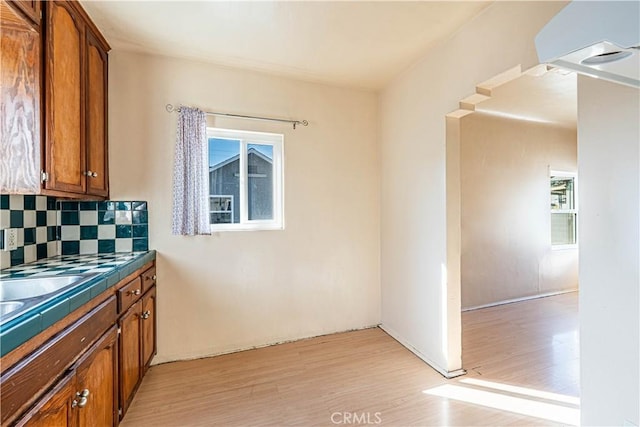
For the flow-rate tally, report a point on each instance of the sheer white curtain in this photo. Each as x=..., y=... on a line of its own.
x=191, y=174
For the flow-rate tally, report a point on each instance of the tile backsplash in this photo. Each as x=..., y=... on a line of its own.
x=35, y=219
x=47, y=227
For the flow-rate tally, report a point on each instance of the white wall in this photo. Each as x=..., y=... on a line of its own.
x=609, y=168
x=420, y=305
x=238, y=290
x=506, y=238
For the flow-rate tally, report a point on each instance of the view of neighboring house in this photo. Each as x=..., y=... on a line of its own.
x=224, y=188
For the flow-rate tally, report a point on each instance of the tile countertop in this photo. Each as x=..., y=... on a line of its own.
x=108, y=269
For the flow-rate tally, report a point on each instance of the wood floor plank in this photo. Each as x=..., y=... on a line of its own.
x=368, y=375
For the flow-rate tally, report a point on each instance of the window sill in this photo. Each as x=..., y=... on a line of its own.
x=563, y=247
x=216, y=228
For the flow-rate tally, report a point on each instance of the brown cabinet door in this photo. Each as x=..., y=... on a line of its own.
x=148, y=327
x=129, y=354
x=96, y=383
x=54, y=409
x=96, y=118
x=20, y=98
x=64, y=94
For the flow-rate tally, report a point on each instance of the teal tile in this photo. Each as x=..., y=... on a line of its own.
x=123, y=206
x=140, y=231
x=123, y=231
x=88, y=206
x=140, y=217
x=112, y=279
x=54, y=313
x=18, y=334
x=140, y=245
x=139, y=206
x=106, y=217
x=98, y=288
x=79, y=299
x=88, y=232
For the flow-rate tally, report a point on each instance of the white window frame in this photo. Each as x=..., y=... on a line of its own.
x=247, y=138
x=574, y=176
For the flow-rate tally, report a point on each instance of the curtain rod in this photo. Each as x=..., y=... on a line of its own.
x=170, y=108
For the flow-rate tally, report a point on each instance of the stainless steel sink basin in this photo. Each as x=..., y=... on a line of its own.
x=7, y=307
x=32, y=287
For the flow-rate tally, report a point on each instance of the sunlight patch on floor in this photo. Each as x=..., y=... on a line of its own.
x=519, y=405
x=523, y=390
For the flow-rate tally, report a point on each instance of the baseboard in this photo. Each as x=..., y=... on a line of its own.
x=159, y=359
x=447, y=374
x=509, y=301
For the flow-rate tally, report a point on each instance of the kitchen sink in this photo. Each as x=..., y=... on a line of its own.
x=32, y=287
x=7, y=307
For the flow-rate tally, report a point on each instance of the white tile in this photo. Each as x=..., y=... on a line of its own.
x=30, y=254
x=20, y=236
x=41, y=203
x=107, y=231
x=5, y=259
x=41, y=234
x=124, y=245
x=123, y=217
x=4, y=219
x=70, y=232
x=52, y=218
x=29, y=219
x=88, y=247
x=16, y=202
x=53, y=248
x=88, y=217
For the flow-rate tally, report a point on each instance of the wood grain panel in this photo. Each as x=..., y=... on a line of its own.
x=20, y=97
x=129, y=354
x=148, y=328
x=96, y=117
x=97, y=373
x=65, y=113
x=54, y=409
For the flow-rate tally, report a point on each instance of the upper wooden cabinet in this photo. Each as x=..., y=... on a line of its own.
x=75, y=103
x=20, y=81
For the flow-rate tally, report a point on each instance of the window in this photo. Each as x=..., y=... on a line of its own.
x=245, y=180
x=564, y=212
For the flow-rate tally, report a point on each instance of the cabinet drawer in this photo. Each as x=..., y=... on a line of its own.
x=129, y=293
x=22, y=384
x=148, y=279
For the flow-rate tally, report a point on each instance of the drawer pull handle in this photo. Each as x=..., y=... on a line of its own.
x=83, y=395
x=136, y=292
x=146, y=314
x=154, y=277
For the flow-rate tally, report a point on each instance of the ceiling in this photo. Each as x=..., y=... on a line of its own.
x=538, y=95
x=349, y=43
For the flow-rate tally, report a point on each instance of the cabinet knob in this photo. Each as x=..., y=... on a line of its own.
x=154, y=277
x=94, y=174
x=91, y=174
x=136, y=292
x=83, y=393
x=146, y=314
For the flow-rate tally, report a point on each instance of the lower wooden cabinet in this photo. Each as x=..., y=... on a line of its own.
x=129, y=354
x=96, y=397
x=86, y=395
x=87, y=372
x=148, y=332
x=137, y=345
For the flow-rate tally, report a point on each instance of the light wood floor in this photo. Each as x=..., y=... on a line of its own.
x=366, y=376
